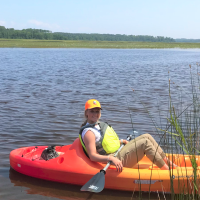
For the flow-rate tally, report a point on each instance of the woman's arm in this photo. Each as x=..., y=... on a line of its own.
x=89, y=140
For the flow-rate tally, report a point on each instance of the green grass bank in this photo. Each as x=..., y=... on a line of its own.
x=25, y=43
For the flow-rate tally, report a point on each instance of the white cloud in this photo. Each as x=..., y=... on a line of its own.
x=43, y=25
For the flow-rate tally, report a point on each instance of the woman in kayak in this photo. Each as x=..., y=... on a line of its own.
x=100, y=141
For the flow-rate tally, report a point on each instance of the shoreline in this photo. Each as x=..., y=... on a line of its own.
x=29, y=43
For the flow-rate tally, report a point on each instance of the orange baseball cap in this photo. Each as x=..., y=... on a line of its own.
x=92, y=103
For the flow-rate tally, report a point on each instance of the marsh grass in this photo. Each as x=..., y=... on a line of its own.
x=182, y=131
x=28, y=43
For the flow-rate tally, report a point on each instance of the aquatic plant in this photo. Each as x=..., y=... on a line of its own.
x=182, y=134
x=184, y=129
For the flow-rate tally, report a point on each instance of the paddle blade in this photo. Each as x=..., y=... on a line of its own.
x=95, y=184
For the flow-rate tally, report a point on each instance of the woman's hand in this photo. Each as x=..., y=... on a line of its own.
x=125, y=142
x=117, y=163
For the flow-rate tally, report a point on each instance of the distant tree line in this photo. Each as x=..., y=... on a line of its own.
x=11, y=33
x=188, y=40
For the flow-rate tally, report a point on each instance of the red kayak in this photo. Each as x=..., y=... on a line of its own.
x=72, y=166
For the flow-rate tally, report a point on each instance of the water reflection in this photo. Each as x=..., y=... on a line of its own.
x=69, y=192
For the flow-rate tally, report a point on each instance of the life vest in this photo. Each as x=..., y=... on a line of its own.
x=109, y=141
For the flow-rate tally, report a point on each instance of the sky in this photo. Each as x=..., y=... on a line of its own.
x=169, y=18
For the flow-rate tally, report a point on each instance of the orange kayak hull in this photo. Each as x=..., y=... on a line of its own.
x=72, y=166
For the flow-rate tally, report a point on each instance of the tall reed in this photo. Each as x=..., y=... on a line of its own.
x=182, y=132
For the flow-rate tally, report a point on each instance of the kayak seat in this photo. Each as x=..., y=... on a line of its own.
x=77, y=150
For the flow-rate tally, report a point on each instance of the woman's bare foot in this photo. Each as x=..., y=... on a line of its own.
x=169, y=163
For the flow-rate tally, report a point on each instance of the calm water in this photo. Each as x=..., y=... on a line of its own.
x=42, y=97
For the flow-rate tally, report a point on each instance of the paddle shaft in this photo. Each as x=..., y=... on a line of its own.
x=97, y=182
x=108, y=164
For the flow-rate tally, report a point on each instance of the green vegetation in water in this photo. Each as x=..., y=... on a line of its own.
x=27, y=43
x=182, y=133
x=185, y=130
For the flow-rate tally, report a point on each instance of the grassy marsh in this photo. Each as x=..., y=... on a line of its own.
x=26, y=43
x=179, y=131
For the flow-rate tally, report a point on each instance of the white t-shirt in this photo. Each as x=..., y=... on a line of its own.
x=95, y=130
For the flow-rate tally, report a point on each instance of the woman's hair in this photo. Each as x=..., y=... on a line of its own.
x=85, y=122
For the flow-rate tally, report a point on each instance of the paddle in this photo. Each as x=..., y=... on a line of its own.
x=97, y=182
